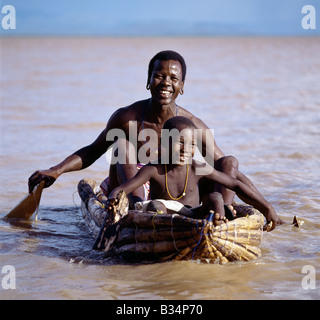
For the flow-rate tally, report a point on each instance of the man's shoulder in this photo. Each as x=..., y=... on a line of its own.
x=185, y=113
x=125, y=114
x=133, y=109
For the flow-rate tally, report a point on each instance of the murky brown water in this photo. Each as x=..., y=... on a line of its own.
x=262, y=97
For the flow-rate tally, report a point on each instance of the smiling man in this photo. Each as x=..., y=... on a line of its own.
x=166, y=77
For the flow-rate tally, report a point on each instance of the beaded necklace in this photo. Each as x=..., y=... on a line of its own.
x=185, y=184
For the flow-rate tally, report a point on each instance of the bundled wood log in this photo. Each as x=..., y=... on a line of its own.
x=157, y=236
x=92, y=209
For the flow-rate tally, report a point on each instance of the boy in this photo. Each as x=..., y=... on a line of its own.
x=176, y=179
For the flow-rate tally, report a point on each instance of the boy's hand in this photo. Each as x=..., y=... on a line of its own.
x=111, y=203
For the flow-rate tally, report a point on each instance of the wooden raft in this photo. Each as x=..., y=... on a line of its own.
x=151, y=236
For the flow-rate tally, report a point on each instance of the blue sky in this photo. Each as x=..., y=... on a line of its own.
x=166, y=17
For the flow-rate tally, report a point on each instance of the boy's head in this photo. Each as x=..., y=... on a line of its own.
x=179, y=122
x=178, y=137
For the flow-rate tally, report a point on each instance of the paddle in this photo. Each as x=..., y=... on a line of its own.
x=28, y=205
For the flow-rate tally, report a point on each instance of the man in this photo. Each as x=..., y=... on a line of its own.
x=166, y=76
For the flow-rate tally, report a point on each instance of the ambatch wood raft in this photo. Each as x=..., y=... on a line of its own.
x=140, y=236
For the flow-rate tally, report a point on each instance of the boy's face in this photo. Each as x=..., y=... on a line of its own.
x=182, y=147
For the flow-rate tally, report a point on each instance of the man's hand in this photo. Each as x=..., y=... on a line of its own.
x=48, y=176
x=273, y=220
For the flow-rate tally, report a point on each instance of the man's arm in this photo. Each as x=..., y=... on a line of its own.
x=206, y=142
x=214, y=154
x=81, y=159
x=244, y=179
x=248, y=195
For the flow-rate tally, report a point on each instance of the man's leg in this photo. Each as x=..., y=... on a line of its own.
x=228, y=165
x=124, y=169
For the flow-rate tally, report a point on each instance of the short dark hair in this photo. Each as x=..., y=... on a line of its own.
x=175, y=122
x=165, y=56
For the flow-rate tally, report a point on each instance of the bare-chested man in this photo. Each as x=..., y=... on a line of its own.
x=166, y=76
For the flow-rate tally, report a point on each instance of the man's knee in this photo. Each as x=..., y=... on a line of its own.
x=228, y=164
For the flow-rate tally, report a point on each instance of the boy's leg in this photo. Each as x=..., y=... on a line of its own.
x=156, y=206
x=215, y=203
x=211, y=201
x=228, y=165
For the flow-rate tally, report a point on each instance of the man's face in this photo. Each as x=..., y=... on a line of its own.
x=183, y=146
x=166, y=81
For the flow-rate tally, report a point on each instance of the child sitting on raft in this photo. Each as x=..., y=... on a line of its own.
x=178, y=179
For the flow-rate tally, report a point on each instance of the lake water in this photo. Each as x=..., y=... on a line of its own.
x=261, y=96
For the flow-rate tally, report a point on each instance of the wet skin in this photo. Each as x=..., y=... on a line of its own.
x=181, y=174
x=165, y=85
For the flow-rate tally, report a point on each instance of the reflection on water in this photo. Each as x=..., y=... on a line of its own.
x=259, y=95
